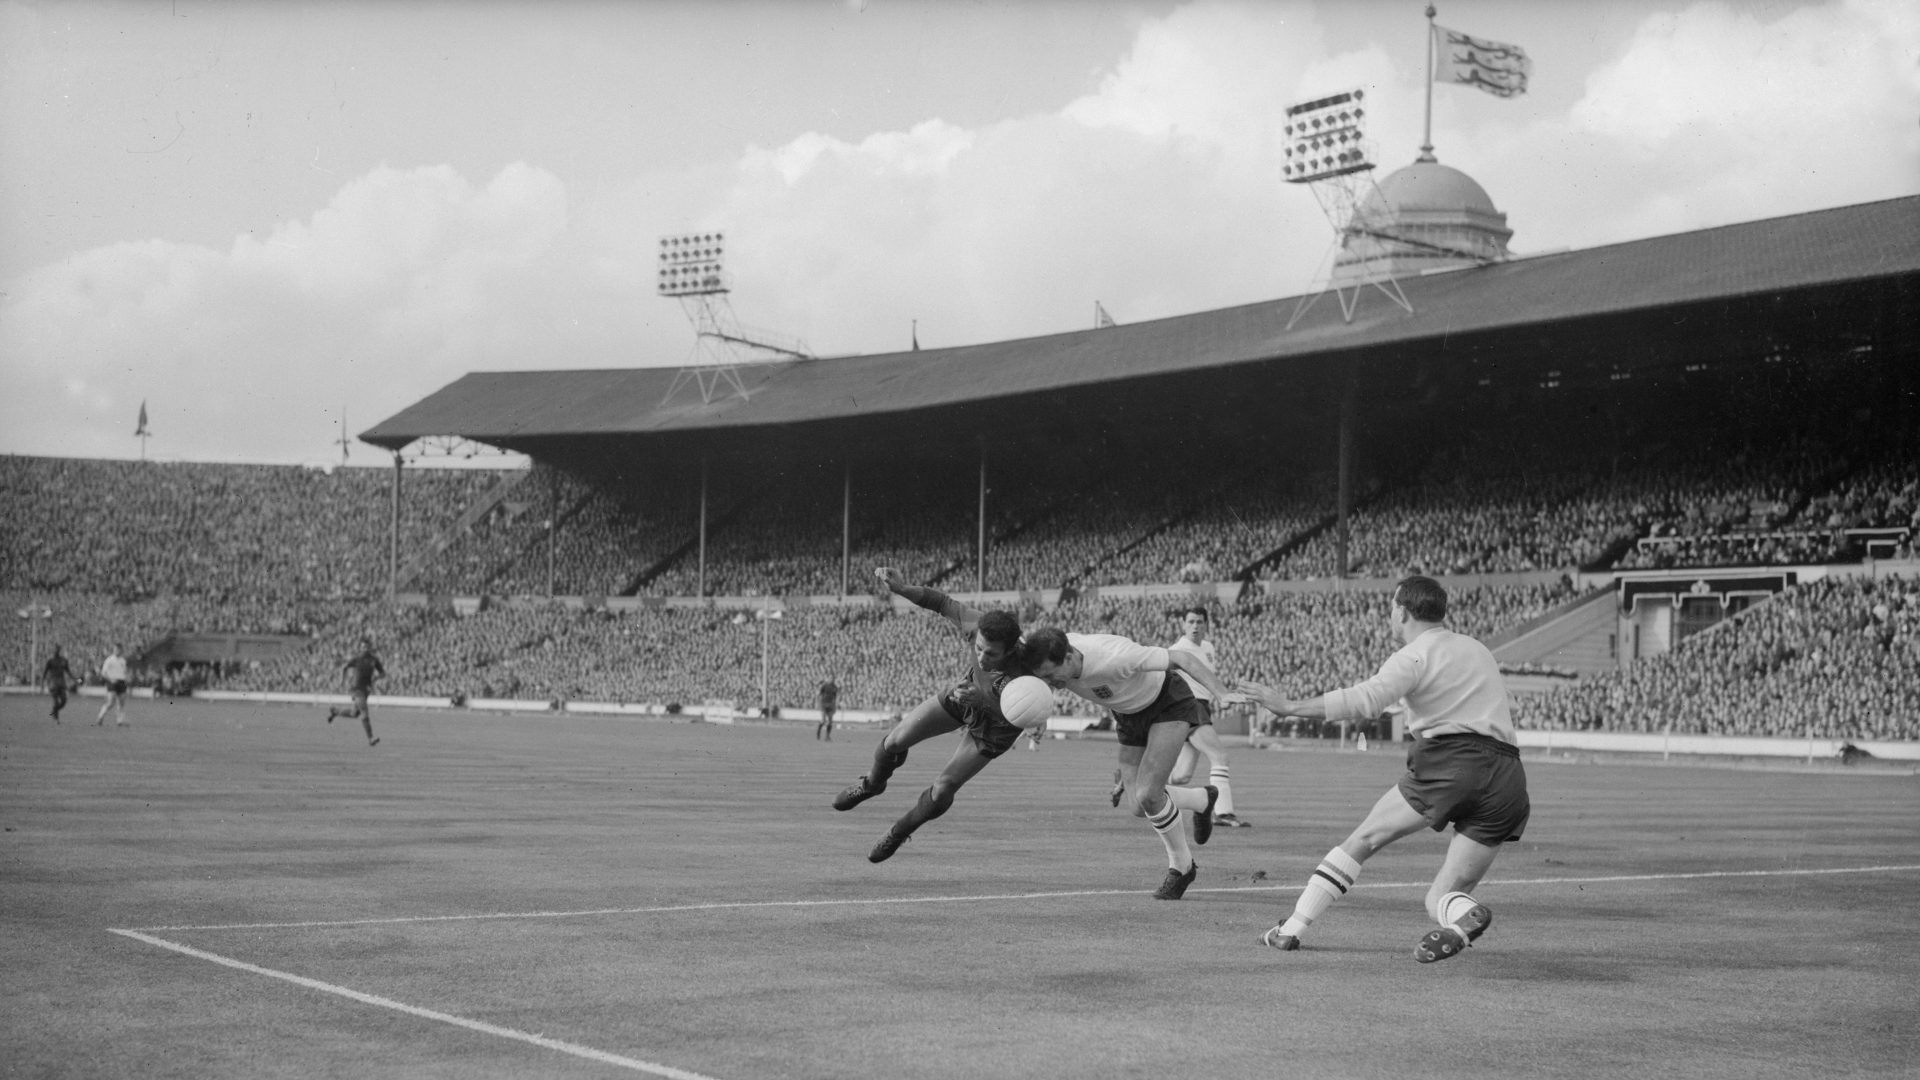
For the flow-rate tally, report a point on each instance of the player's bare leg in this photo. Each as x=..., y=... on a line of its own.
x=1450, y=900
x=1206, y=740
x=1390, y=819
x=1145, y=770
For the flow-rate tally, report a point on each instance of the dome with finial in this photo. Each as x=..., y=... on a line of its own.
x=1427, y=216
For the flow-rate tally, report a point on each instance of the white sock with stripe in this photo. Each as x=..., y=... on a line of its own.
x=1454, y=907
x=1187, y=798
x=1330, y=881
x=1167, y=824
x=1217, y=776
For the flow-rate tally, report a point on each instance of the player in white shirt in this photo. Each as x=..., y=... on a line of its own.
x=1196, y=622
x=1463, y=770
x=1153, y=715
x=114, y=670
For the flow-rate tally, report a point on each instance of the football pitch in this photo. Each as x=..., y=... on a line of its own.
x=247, y=891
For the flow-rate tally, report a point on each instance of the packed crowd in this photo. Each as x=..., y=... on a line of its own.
x=238, y=532
x=1837, y=658
x=883, y=661
x=133, y=551
x=285, y=534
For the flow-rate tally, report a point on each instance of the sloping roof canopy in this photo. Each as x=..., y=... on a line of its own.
x=1707, y=287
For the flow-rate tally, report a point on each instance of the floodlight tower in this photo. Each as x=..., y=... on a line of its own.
x=1327, y=150
x=692, y=270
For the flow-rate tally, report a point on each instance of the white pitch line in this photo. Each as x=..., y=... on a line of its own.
x=575, y=1049
x=733, y=905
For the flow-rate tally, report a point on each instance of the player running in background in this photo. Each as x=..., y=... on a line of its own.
x=1196, y=623
x=1153, y=715
x=57, y=677
x=114, y=670
x=361, y=671
x=1463, y=770
x=829, y=703
x=973, y=703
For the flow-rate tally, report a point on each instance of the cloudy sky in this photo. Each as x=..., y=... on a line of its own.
x=255, y=216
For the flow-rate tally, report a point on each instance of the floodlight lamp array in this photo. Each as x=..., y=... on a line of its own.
x=690, y=265
x=1326, y=137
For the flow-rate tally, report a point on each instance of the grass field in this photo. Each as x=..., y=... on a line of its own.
x=229, y=891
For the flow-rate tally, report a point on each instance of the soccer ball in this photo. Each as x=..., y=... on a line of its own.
x=1026, y=702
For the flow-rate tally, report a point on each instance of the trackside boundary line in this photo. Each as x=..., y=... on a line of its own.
x=988, y=898
x=575, y=1049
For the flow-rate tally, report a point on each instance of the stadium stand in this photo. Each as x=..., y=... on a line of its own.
x=1742, y=397
x=1833, y=658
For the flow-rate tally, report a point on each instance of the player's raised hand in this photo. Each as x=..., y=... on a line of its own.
x=1262, y=695
x=889, y=577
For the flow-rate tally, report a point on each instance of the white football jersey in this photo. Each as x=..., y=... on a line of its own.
x=1119, y=672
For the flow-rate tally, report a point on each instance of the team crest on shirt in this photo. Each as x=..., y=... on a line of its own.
x=1103, y=692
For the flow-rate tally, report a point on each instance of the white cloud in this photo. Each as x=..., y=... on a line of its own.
x=390, y=290
x=1714, y=116
x=1157, y=194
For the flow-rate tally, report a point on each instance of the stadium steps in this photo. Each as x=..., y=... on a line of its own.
x=715, y=526
x=1578, y=636
x=481, y=506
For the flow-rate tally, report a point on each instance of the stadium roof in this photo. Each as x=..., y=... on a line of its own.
x=1692, y=291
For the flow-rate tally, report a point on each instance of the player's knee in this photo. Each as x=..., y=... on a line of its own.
x=1147, y=803
x=939, y=796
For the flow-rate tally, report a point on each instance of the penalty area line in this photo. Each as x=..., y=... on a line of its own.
x=545, y=1043
x=1071, y=894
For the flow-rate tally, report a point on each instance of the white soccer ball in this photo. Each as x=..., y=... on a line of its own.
x=1027, y=702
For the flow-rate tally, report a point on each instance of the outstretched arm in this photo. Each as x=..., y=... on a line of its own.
x=928, y=597
x=1191, y=665
x=1311, y=708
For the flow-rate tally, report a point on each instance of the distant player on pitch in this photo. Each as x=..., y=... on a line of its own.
x=1464, y=770
x=57, y=677
x=829, y=703
x=113, y=670
x=361, y=671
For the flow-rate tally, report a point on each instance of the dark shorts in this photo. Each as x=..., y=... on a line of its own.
x=1176, y=704
x=59, y=692
x=117, y=686
x=1206, y=712
x=990, y=733
x=1472, y=782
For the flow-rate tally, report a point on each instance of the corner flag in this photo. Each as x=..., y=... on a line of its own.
x=142, y=428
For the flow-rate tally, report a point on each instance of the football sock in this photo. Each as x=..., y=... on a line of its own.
x=1453, y=907
x=1167, y=823
x=1218, y=778
x=884, y=762
x=924, y=810
x=1330, y=881
x=1187, y=798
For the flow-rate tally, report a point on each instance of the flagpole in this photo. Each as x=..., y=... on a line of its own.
x=1426, y=140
